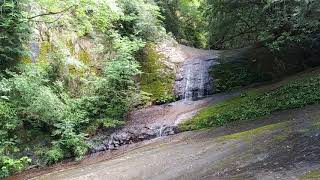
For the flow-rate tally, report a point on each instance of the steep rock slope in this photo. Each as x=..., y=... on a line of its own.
x=284, y=146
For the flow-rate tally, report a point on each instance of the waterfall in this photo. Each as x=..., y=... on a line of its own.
x=187, y=94
x=160, y=131
x=196, y=81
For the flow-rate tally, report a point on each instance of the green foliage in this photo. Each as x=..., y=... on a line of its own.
x=257, y=104
x=53, y=155
x=37, y=106
x=8, y=119
x=8, y=124
x=9, y=166
x=69, y=90
x=142, y=19
x=117, y=89
x=277, y=24
x=156, y=79
x=232, y=75
x=110, y=123
x=183, y=18
x=14, y=31
x=35, y=100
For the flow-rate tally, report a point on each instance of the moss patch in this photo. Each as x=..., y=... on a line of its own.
x=45, y=49
x=205, y=117
x=248, y=135
x=157, y=79
x=26, y=59
x=71, y=47
x=315, y=174
x=280, y=137
x=84, y=57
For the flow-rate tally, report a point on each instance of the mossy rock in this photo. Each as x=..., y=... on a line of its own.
x=45, y=48
x=156, y=79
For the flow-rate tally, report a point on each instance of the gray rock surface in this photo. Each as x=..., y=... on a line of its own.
x=193, y=80
x=132, y=134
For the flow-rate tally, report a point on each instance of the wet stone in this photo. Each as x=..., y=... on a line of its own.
x=193, y=80
x=132, y=135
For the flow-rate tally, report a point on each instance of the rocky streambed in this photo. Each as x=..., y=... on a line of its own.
x=130, y=135
x=153, y=122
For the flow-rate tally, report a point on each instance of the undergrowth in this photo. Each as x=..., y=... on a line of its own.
x=254, y=104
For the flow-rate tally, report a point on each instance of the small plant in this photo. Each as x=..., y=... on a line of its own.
x=53, y=155
x=9, y=165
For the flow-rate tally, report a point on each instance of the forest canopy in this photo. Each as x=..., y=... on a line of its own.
x=275, y=23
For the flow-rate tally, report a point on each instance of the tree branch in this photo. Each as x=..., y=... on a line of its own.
x=230, y=38
x=52, y=13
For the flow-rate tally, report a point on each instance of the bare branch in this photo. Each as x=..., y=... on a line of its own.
x=52, y=13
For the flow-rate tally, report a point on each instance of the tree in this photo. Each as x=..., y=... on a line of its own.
x=277, y=24
x=183, y=18
x=14, y=31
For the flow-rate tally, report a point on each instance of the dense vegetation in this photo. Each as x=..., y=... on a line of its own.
x=221, y=24
x=14, y=31
x=285, y=32
x=277, y=24
x=185, y=20
x=253, y=103
x=234, y=74
x=79, y=77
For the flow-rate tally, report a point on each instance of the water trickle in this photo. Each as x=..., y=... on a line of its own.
x=131, y=135
x=196, y=81
x=160, y=131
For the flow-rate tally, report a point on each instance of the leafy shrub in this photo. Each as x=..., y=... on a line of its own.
x=141, y=19
x=35, y=101
x=8, y=120
x=53, y=155
x=116, y=90
x=185, y=21
x=256, y=104
x=9, y=165
x=277, y=24
x=38, y=107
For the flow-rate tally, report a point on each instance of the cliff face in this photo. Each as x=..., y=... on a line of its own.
x=194, y=80
x=79, y=53
x=191, y=67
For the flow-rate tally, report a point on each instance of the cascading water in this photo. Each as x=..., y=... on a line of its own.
x=195, y=81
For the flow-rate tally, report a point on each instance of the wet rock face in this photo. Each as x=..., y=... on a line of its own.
x=193, y=80
x=133, y=134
